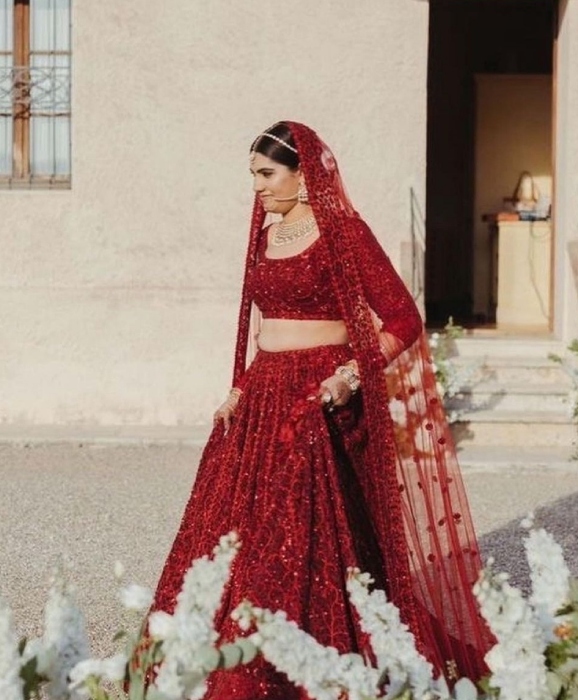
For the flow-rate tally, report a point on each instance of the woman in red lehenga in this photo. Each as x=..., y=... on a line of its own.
x=332, y=449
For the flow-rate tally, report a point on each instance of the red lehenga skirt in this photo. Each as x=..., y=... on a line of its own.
x=286, y=478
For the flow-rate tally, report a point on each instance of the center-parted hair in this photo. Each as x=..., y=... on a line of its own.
x=277, y=143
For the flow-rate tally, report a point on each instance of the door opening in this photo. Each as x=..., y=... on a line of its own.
x=489, y=119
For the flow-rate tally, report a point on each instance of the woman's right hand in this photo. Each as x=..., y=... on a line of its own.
x=227, y=409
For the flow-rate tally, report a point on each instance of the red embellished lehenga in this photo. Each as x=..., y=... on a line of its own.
x=374, y=484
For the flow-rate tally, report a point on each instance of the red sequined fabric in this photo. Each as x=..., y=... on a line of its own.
x=288, y=478
x=412, y=485
x=374, y=485
x=297, y=287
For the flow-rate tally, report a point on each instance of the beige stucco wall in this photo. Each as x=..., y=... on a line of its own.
x=566, y=194
x=119, y=298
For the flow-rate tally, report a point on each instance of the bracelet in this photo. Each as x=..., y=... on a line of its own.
x=234, y=396
x=350, y=375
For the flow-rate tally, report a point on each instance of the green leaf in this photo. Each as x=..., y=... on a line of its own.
x=31, y=678
x=22, y=645
x=485, y=685
x=137, y=685
x=554, y=683
x=120, y=635
x=155, y=694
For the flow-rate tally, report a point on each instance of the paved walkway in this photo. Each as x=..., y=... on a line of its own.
x=95, y=499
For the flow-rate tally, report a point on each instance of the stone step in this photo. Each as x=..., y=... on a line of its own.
x=512, y=397
x=508, y=347
x=513, y=370
x=499, y=457
x=515, y=429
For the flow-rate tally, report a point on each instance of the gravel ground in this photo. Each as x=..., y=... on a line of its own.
x=93, y=504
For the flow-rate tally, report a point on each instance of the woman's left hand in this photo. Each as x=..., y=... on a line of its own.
x=333, y=392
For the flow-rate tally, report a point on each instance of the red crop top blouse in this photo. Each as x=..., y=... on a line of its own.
x=297, y=287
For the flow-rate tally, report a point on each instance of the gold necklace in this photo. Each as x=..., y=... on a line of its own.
x=289, y=233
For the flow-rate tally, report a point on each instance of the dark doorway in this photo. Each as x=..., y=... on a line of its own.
x=468, y=38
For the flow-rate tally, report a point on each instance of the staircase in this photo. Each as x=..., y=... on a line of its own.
x=515, y=409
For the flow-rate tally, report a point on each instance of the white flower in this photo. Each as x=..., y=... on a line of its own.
x=391, y=640
x=550, y=578
x=44, y=657
x=191, y=630
x=135, y=597
x=321, y=671
x=64, y=636
x=398, y=412
x=10, y=681
x=161, y=625
x=113, y=668
x=83, y=670
x=517, y=661
x=527, y=523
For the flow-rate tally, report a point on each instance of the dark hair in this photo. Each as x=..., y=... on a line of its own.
x=271, y=148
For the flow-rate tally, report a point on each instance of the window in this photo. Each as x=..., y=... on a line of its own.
x=35, y=56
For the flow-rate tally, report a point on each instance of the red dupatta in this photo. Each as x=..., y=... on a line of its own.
x=412, y=483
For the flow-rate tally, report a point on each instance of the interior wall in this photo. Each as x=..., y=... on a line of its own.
x=513, y=134
x=466, y=38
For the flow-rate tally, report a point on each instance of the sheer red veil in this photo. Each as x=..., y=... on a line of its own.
x=412, y=483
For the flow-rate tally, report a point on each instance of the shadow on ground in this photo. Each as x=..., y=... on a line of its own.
x=506, y=543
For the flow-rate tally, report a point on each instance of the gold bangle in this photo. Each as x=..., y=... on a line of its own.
x=350, y=376
x=234, y=396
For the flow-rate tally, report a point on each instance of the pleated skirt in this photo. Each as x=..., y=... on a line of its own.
x=287, y=478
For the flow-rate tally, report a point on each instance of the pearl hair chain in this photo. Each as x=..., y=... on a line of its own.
x=279, y=140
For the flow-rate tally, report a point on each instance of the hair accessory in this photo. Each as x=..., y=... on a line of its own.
x=276, y=138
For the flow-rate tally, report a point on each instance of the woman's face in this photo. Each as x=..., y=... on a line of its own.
x=273, y=182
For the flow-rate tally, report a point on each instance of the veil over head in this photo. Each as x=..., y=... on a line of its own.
x=412, y=484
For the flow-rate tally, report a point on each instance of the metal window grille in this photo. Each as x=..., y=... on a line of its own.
x=35, y=63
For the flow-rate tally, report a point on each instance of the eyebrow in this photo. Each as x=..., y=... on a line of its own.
x=261, y=170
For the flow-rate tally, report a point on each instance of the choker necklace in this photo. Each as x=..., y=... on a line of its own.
x=289, y=233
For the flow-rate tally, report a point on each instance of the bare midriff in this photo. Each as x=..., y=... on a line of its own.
x=279, y=334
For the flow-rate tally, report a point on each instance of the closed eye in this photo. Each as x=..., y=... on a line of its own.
x=266, y=172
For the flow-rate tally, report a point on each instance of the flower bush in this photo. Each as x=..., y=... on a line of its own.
x=452, y=378
x=535, y=656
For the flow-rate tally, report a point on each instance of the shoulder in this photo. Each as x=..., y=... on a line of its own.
x=364, y=236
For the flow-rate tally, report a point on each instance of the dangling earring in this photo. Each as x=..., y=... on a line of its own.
x=302, y=194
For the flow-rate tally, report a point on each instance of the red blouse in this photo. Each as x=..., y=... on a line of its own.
x=300, y=287
x=296, y=287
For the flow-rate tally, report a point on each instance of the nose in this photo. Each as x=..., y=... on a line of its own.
x=257, y=185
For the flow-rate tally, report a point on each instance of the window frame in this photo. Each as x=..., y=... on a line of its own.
x=23, y=108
